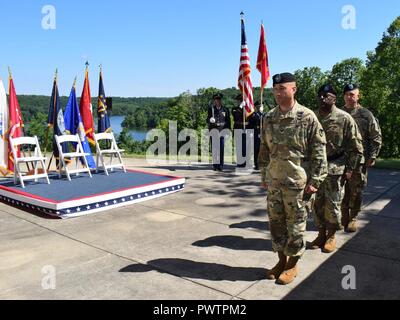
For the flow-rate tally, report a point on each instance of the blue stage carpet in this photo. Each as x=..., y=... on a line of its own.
x=84, y=195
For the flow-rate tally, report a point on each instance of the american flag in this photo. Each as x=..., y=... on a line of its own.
x=244, y=82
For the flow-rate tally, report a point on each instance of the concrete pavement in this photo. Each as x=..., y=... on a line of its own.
x=210, y=241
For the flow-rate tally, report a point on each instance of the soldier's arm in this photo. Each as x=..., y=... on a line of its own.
x=228, y=118
x=374, y=139
x=317, y=153
x=263, y=155
x=353, y=145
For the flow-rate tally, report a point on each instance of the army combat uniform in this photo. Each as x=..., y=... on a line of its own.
x=344, y=151
x=372, y=142
x=292, y=155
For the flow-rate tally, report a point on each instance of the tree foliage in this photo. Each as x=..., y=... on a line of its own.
x=381, y=87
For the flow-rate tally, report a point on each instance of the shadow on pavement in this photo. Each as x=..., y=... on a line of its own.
x=373, y=253
x=199, y=270
x=235, y=243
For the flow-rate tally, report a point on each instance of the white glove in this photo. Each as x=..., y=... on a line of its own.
x=261, y=109
x=212, y=120
x=242, y=105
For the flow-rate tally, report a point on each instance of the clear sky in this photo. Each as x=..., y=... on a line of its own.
x=163, y=48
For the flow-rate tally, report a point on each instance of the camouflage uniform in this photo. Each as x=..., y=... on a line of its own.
x=344, y=151
x=292, y=154
x=372, y=142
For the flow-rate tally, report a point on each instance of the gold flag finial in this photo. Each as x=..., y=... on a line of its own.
x=9, y=73
x=74, y=85
x=56, y=75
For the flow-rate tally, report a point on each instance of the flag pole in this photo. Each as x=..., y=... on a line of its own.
x=23, y=127
x=54, y=115
x=244, y=106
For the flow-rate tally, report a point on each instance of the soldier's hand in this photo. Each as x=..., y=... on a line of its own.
x=370, y=163
x=310, y=189
x=264, y=185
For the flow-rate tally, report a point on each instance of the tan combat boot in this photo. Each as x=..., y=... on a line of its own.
x=330, y=244
x=276, y=271
x=319, y=242
x=352, y=226
x=290, y=272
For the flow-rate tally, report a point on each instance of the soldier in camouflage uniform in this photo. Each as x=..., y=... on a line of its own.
x=293, y=163
x=372, y=141
x=344, y=151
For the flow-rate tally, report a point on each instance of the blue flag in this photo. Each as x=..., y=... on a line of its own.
x=55, y=120
x=74, y=125
x=103, y=119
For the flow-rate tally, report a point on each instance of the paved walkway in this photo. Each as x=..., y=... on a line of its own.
x=210, y=241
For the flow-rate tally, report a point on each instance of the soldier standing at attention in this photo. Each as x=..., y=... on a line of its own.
x=239, y=126
x=255, y=124
x=344, y=151
x=292, y=161
x=218, y=118
x=372, y=142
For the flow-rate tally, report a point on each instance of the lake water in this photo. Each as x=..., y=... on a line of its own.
x=139, y=135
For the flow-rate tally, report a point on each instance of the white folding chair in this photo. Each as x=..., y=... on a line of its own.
x=34, y=159
x=112, y=152
x=71, y=155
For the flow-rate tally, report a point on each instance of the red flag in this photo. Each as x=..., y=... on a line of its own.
x=85, y=107
x=262, y=59
x=244, y=81
x=15, y=121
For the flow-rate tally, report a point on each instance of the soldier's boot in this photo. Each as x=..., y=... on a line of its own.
x=276, y=271
x=290, y=272
x=330, y=244
x=352, y=226
x=319, y=242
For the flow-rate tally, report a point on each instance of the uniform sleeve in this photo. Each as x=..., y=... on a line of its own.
x=353, y=148
x=374, y=138
x=228, y=118
x=209, y=115
x=263, y=155
x=317, y=152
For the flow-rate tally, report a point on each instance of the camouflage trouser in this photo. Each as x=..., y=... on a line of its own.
x=287, y=220
x=327, y=211
x=353, y=195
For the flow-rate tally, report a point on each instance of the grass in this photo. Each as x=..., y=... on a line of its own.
x=388, y=164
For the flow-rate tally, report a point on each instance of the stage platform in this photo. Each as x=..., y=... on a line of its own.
x=84, y=195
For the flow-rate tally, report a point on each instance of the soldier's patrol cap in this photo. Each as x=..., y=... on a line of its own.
x=350, y=87
x=283, y=78
x=327, y=88
x=218, y=95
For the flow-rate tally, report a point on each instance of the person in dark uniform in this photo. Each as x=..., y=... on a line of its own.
x=239, y=125
x=218, y=118
x=255, y=124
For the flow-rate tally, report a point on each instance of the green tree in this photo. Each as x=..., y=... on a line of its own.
x=37, y=126
x=381, y=89
x=308, y=82
x=345, y=72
